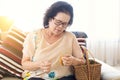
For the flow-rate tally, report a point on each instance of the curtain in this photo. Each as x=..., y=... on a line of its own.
x=106, y=50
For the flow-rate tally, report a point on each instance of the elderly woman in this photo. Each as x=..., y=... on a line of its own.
x=49, y=52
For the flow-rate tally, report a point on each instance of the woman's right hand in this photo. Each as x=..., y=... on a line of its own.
x=45, y=66
x=35, y=65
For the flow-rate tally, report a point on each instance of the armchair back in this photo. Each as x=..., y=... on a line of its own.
x=81, y=37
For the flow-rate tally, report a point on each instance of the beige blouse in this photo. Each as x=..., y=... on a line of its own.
x=38, y=49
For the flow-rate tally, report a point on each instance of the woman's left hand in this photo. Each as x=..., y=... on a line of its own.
x=69, y=60
x=45, y=66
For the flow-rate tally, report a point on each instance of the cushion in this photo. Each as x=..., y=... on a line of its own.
x=18, y=31
x=108, y=72
x=79, y=34
x=10, y=65
x=9, y=54
x=13, y=44
x=12, y=50
x=11, y=40
x=16, y=35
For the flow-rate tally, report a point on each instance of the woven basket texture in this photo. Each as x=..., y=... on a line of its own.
x=82, y=72
x=89, y=71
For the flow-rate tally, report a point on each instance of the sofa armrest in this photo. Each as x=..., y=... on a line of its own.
x=108, y=72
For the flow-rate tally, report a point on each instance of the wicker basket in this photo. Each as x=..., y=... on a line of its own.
x=89, y=71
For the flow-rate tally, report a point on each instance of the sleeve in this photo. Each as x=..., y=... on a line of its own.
x=29, y=45
x=77, y=52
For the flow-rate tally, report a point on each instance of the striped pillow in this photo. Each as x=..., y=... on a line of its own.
x=10, y=62
x=11, y=53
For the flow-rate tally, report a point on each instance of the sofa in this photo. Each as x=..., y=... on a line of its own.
x=15, y=36
x=108, y=72
x=11, y=53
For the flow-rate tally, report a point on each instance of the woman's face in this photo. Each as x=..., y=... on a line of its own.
x=59, y=23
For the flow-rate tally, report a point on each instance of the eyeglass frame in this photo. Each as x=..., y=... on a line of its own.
x=59, y=22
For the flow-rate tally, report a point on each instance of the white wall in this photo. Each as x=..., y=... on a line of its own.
x=98, y=18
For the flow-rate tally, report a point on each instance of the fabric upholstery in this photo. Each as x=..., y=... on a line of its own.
x=79, y=34
x=108, y=72
x=11, y=53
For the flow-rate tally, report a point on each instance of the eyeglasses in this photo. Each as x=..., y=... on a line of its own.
x=59, y=22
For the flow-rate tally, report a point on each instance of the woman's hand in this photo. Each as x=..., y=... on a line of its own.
x=45, y=66
x=35, y=65
x=71, y=60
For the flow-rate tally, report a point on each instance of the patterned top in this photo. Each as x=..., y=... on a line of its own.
x=38, y=49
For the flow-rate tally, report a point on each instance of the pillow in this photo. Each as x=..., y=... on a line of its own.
x=9, y=54
x=18, y=31
x=14, y=45
x=16, y=35
x=9, y=63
